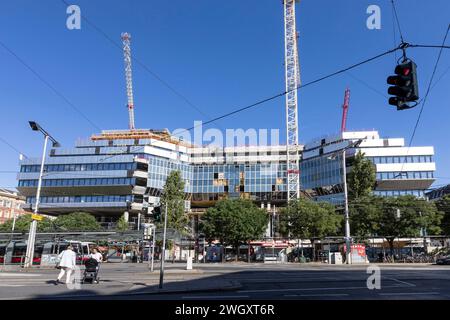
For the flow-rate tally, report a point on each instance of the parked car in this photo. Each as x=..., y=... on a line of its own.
x=443, y=260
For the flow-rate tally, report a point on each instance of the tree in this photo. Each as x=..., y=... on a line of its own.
x=234, y=222
x=306, y=219
x=404, y=216
x=361, y=179
x=23, y=223
x=122, y=224
x=173, y=198
x=77, y=221
x=443, y=205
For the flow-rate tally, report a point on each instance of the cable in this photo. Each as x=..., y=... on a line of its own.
x=279, y=95
x=152, y=73
x=428, y=46
x=426, y=95
x=49, y=85
x=429, y=88
x=398, y=22
x=367, y=85
x=12, y=147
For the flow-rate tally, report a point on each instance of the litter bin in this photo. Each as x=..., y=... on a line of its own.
x=302, y=259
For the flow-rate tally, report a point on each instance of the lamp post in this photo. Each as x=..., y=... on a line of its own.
x=346, y=212
x=32, y=233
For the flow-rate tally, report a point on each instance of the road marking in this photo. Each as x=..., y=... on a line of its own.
x=212, y=297
x=406, y=293
x=403, y=282
x=312, y=289
x=318, y=295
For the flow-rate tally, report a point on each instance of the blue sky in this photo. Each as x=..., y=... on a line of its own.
x=220, y=55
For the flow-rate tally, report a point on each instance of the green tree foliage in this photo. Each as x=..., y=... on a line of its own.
x=173, y=198
x=443, y=205
x=234, y=222
x=379, y=216
x=362, y=177
x=306, y=219
x=23, y=224
x=77, y=221
x=122, y=224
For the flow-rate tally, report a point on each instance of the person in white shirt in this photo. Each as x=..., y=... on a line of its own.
x=67, y=263
x=96, y=255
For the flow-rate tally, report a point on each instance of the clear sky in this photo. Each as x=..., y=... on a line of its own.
x=220, y=55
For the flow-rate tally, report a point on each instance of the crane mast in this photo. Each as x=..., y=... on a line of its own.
x=126, y=40
x=345, y=109
x=292, y=75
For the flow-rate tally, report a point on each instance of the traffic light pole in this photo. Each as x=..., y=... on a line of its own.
x=153, y=247
x=163, y=251
x=32, y=233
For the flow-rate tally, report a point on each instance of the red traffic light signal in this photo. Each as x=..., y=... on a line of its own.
x=404, y=85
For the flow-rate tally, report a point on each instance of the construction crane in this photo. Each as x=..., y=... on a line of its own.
x=292, y=74
x=126, y=40
x=345, y=110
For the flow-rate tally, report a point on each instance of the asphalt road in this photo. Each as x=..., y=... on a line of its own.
x=248, y=281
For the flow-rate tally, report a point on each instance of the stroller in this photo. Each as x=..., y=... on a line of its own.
x=91, y=271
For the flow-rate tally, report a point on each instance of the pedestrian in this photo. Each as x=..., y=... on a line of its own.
x=96, y=255
x=67, y=263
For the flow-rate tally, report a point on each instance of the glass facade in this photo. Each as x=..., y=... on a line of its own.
x=261, y=179
x=395, y=193
x=80, y=199
x=78, y=182
x=321, y=172
x=78, y=167
x=253, y=181
x=401, y=159
x=405, y=175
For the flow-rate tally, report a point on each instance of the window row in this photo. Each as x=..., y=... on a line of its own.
x=80, y=199
x=77, y=182
x=78, y=167
x=405, y=175
x=393, y=193
x=401, y=159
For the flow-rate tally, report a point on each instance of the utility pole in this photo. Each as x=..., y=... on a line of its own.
x=163, y=252
x=346, y=213
x=347, y=222
x=32, y=233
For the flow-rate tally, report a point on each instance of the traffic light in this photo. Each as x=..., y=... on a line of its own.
x=157, y=214
x=404, y=85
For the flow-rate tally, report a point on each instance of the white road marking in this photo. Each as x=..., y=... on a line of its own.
x=212, y=297
x=312, y=289
x=406, y=293
x=403, y=282
x=318, y=295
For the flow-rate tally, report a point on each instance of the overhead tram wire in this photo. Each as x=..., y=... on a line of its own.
x=50, y=86
x=427, y=93
x=12, y=147
x=398, y=21
x=143, y=65
x=260, y=102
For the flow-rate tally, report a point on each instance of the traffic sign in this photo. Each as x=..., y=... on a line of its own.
x=37, y=217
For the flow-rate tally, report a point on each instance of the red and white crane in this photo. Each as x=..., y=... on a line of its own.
x=126, y=39
x=345, y=110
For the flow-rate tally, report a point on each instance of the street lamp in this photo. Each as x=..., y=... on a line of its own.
x=344, y=179
x=32, y=233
